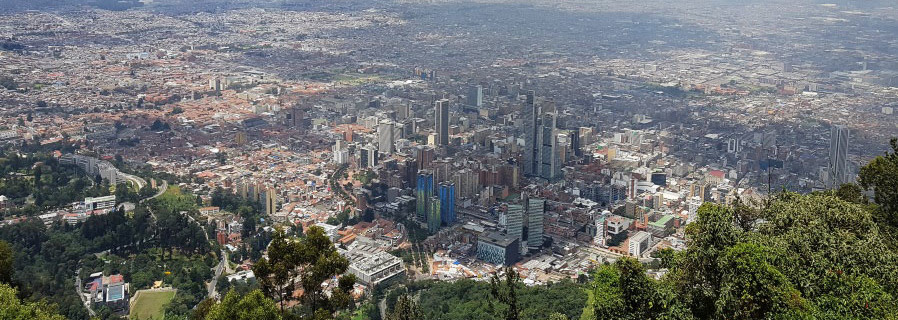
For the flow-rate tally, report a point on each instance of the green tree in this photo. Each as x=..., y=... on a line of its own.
x=11, y=308
x=558, y=316
x=504, y=291
x=312, y=259
x=753, y=287
x=708, y=238
x=406, y=309
x=254, y=306
x=6, y=260
x=881, y=175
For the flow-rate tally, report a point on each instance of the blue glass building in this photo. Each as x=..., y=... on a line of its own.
x=447, y=203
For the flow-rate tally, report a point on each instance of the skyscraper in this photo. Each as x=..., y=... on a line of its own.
x=368, y=157
x=536, y=211
x=531, y=136
x=270, y=202
x=549, y=162
x=447, y=203
x=514, y=221
x=475, y=96
x=433, y=215
x=441, y=122
x=424, y=191
x=385, y=137
x=838, y=155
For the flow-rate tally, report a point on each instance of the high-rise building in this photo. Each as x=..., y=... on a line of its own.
x=542, y=157
x=441, y=122
x=575, y=143
x=475, y=96
x=240, y=138
x=385, y=137
x=270, y=202
x=433, y=215
x=838, y=155
x=531, y=141
x=424, y=156
x=514, y=221
x=424, y=191
x=447, y=203
x=368, y=157
x=549, y=157
x=536, y=211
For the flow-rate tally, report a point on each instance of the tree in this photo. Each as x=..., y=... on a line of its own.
x=504, y=291
x=6, y=260
x=14, y=309
x=558, y=316
x=406, y=309
x=753, y=287
x=313, y=260
x=707, y=239
x=881, y=175
x=254, y=306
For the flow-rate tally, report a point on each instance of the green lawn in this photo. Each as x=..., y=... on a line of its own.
x=150, y=304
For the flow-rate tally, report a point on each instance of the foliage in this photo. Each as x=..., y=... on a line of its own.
x=406, y=309
x=42, y=178
x=881, y=175
x=254, y=306
x=504, y=291
x=12, y=308
x=6, y=260
x=468, y=299
x=313, y=259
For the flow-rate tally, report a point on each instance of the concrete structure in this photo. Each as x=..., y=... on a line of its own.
x=385, y=137
x=536, y=211
x=639, y=243
x=371, y=265
x=441, y=122
x=838, y=156
x=498, y=249
x=514, y=221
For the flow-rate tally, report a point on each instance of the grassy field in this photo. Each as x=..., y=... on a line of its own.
x=150, y=304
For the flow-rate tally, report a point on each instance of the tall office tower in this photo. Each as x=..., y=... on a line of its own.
x=514, y=221
x=294, y=117
x=424, y=157
x=838, y=155
x=385, y=137
x=368, y=157
x=215, y=84
x=531, y=136
x=424, y=191
x=403, y=111
x=341, y=155
x=549, y=159
x=433, y=215
x=475, y=96
x=441, y=122
x=270, y=202
x=447, y=203
x=536, y=211
x=575, y=143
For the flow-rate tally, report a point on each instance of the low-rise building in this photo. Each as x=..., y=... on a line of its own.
x=498, y=249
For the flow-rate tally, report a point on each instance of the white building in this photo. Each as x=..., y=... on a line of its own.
x=372, y=265
x=639, y=243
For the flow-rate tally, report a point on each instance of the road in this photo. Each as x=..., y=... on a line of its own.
x=140, y=182
x=223, y=265
x=84, y=299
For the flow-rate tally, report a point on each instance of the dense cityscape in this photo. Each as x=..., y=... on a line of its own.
x=453, y=159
